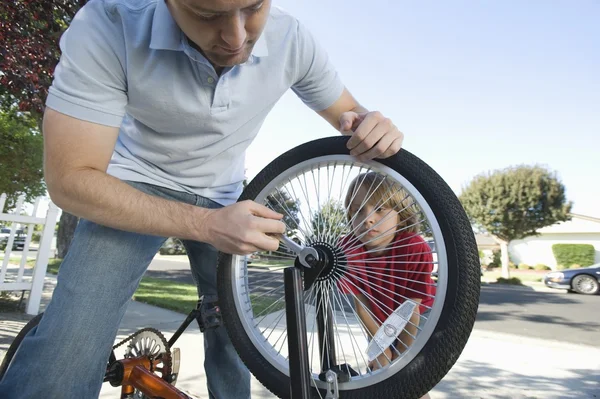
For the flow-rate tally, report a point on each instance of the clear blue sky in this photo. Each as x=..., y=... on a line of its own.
x=474, y=85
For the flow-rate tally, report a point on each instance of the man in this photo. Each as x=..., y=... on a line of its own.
x=152, y=107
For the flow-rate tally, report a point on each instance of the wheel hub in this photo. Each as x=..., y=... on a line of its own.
x=330, y=265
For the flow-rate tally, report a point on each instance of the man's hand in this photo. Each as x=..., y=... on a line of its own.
x=373, y=135
x=243, y=228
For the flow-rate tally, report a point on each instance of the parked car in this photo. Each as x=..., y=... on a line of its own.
x=4, y=233
x=18, y=241
x=585, y=280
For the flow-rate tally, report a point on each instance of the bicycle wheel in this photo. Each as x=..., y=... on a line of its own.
x=432, y=261
x=14, y=346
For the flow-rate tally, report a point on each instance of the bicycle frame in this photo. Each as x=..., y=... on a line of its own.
x=138, y=376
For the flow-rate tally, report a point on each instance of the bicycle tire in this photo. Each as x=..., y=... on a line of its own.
x=457, y=317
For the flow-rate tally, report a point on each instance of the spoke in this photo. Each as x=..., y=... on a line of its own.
x=368, y=310
x=387, y=232
x=373, y=276
x=339, y=296
x=276, y=324
x=383, y=306
x=331, y=298
x=304, y=220
x=319, y=215
x=287, y=211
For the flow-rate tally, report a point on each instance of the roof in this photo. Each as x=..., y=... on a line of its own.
x=484, y=240
x=577, y=224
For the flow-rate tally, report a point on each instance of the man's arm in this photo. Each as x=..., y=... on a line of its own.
x=346, y=103
x=76, y=156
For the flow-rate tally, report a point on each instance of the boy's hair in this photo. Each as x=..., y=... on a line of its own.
x=384, y=192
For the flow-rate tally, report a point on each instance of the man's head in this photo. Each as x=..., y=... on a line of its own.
x=225, y=31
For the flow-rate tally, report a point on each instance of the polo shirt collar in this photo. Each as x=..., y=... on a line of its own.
x=166, y=34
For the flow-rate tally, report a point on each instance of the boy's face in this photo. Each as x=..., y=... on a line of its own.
x=225, y=31
x=375, y=226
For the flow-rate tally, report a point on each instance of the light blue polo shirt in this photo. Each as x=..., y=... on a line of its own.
x=125, y=63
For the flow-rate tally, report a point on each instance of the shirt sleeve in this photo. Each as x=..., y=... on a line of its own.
x=90, y=78
x=317, y=82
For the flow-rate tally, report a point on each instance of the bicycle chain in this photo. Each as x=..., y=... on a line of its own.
x=166, y=356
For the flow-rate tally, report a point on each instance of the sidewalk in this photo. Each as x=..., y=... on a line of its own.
x=492, y=365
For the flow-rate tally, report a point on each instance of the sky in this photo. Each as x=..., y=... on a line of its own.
x=475, y=86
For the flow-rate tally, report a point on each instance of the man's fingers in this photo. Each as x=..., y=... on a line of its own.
x=373, y=138
x=363, y=129
x=263, y=211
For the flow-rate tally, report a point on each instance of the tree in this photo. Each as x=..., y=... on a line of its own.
x=281, y=202
x=29, y=33
x=514, y=203
x=329, y=222
x=21, y=159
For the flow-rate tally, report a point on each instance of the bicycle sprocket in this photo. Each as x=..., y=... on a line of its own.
x=152, y=343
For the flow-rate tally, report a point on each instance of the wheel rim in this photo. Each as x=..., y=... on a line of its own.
x=586, y=284
x=319, y=174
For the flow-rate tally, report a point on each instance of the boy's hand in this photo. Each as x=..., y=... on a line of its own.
x=373, y=135
x=243, y=228
x=381, y=361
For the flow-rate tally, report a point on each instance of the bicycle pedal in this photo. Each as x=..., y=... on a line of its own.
x=175, y=361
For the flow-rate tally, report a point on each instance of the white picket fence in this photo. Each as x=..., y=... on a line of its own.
x=22, y=278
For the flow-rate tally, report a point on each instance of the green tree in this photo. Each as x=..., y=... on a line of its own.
x=29, y=33
x=281, y=202
x=329, y=222
x=514, y=203
x=21, y=159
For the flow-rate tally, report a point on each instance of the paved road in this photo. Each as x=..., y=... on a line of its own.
x=523, y=311
x=547, y=315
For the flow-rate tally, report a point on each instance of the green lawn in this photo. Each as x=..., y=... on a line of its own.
x=531, y=276
x=178, y=297
x=17, y=260
x=167, y=294
x=272, y=262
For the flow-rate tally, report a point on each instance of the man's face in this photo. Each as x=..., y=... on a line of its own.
x=224, y=30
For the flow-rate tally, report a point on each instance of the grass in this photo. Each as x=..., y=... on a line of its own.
x=263, y=305
x=530, y=276
x=17, y=260
x=272, y=262
x=179, y=297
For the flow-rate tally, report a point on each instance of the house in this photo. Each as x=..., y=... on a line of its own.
x=534, y=250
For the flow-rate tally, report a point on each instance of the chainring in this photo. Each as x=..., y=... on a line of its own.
x=151, y=343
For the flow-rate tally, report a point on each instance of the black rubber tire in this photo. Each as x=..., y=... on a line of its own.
x=12, y=349
x=461, y=302
x=579, y=277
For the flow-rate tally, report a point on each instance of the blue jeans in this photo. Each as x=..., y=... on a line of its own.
x=66, y=355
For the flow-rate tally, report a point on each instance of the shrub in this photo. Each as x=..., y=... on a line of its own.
x=496, y=261
x=540, y=266
x=524, y=266
x=512, y=281
x=172, y=247
x=575, y=266
x=512, y=265
x=569, y=254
